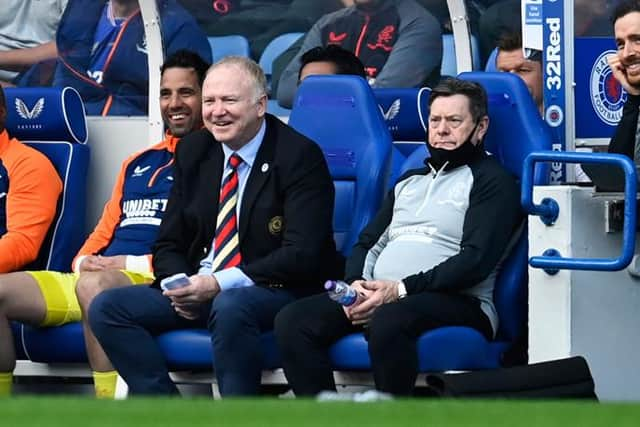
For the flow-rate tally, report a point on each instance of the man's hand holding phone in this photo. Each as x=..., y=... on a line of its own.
x=187, y=293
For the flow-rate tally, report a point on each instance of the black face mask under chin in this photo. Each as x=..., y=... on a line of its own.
x=456, y=157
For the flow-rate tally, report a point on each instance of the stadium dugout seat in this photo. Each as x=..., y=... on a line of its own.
x=515, y=130
x=222, y=46
x=492, y=61
x=275, y=47
x=406, y=111
x=52, y=120
x=341, y=114
x=449, y=65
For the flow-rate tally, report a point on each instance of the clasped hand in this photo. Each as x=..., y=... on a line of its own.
x=373, y=293
x=102, y=263
x=186, y=300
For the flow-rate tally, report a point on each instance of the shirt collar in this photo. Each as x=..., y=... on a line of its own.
x=171, y=141
x=249, y=151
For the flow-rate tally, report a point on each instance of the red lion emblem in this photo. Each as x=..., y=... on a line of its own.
x=384, y=39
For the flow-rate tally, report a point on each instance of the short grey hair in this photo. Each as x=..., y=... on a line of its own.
x=251, y=67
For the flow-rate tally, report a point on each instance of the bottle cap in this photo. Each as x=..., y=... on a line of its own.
x=329, y=285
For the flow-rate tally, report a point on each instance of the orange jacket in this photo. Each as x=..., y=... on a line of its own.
x=29, y=192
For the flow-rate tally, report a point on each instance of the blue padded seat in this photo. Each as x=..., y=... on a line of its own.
x=511, y=108
x=341, y=115
x=52, y=120
x=235, y=44
x=273, y=49
x=59, y=344
x=492, y=61
x=190, y=350
x=512, y=113
x=406, y=111
x=449, y=66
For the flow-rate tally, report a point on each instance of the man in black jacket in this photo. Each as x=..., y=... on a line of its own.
x=249, y=222
x=428, y=259
x=626, y=69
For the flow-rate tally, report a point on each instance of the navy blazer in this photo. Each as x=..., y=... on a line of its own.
x=285, y=224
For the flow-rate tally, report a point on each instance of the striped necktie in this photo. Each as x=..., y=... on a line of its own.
x=226, y=246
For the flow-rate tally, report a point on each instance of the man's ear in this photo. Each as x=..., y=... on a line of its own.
x=262, y=105
x=483, y=127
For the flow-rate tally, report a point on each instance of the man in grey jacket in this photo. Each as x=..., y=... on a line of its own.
x=398, y=41
x=428, y=259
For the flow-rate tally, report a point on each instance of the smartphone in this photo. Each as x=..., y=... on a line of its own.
x=174, y=282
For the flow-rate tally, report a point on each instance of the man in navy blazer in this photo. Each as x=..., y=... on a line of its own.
x=249, y=221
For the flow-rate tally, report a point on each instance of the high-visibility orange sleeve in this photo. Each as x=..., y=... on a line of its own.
x=34, y=189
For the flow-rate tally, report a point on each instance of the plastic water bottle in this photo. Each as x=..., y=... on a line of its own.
x=341, y=292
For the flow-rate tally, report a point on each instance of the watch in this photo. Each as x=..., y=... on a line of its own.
x=402, y=290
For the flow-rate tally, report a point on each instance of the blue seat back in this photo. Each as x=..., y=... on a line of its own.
x=52, y=120
x=511, y=107
x=275, y=47
x=221, y=46
x=405, y=111
x=340, y=113
x=492, y=61
x=516, y=129
x=449, y=65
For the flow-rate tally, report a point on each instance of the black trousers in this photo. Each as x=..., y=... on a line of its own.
x=307, y=328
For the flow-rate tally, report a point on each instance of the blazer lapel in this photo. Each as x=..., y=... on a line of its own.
x=262, y=167
x=211, y=178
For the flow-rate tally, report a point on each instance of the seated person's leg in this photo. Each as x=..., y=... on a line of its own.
x=394, y=329
x=38, y=298
x=238, y=317
x=89, y=285
x=125, y=321
x=305, y=329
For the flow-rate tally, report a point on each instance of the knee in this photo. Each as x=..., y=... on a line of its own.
x=384, y=328
x=228, y=312
x=288, y=324
x=88, y=286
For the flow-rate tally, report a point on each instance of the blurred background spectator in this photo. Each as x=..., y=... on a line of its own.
x=330, y=59
x=27, y=33
x=259, y=21
x=398, y=41
x=511, y=59
x=103, y=51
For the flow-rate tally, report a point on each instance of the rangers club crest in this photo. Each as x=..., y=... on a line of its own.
x=607, y=95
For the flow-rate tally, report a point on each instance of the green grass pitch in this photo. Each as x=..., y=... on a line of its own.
x=86, y=412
